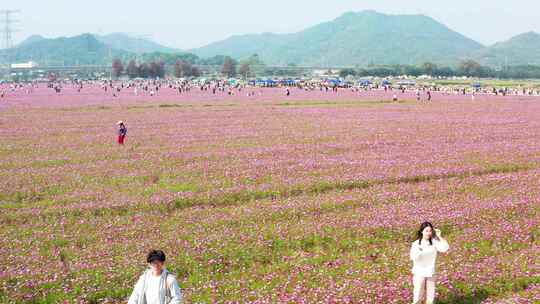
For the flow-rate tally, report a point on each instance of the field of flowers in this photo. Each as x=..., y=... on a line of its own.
x=311, y=198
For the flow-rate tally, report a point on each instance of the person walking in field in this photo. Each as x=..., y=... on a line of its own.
x=424, y=255
x=156, y=285
x=122, y=131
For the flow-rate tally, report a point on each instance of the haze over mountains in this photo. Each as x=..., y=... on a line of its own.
x=353, y=39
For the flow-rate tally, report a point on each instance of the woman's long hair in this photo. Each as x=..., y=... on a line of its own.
x=420, y=235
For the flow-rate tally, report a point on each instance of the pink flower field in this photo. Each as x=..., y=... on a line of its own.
x=310, y=198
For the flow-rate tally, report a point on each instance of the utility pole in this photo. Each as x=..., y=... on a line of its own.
x=7, y=24
x=8, y=27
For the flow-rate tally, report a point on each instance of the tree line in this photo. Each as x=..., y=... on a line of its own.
x=182, y=67
x=467, y=68
x=187, y=65
x=153, y=69
x=157, y=65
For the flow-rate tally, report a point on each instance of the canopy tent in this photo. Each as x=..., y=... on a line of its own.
x=385, y=82
x=288, y=82
x=334, y=81
x=364, y=82
x=262, y=82
x=269, y=82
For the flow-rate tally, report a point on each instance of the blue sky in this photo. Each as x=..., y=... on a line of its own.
x=188, y=24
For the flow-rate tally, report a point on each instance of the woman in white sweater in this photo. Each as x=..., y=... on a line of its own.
x=424, y=255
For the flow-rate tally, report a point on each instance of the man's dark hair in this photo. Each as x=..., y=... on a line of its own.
x=155, y=255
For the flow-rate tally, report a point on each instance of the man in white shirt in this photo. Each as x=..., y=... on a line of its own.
x=156, y=285
x=424, y=255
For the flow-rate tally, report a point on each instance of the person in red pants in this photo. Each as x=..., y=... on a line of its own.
x=122, y=131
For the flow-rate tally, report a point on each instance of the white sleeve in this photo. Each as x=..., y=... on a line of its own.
x=442, y=245
x=415, y=251
x=176, y=294
x=134, y=298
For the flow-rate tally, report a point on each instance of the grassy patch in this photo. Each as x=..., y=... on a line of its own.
x=467, y=293
x=341, y=104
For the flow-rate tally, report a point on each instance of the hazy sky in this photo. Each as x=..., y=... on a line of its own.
x=188, y=24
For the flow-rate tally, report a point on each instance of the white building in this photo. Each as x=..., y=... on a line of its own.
x=325, y=73
x=24, y=65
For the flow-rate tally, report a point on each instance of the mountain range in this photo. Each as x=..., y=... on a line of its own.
x=353, y=39
x=520, y=50
x=83, y=49
x=360, y=38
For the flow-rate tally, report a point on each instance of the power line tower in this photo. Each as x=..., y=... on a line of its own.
x=8, y=27
x=7, y=24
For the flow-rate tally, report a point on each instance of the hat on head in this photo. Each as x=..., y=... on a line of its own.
x=120, y=122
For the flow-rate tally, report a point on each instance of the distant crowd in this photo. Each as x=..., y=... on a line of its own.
x=182, y=86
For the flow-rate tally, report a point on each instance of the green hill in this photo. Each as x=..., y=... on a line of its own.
x=131, y=44
x=519, y=50
x=32, y=39
x=354, y=39
x=79, y=50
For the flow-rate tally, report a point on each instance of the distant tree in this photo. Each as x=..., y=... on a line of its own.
x=195, y=72
x=177, y=69
x=143, y=70
x=183, y=68
x=445, y=72
x=470, y=68
x=429, y=68
x=244, y=70
x=255, y=64
x=229, y=67
x=410, y=70
x=382, y=71
x=156, y=69
x=152, y=69
x=170, y=58
x=520, y=72
x=363, y=73
x=160, y=69
x=117, y=68
x=347, y=72
x=216, y=60
x=132, y=70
